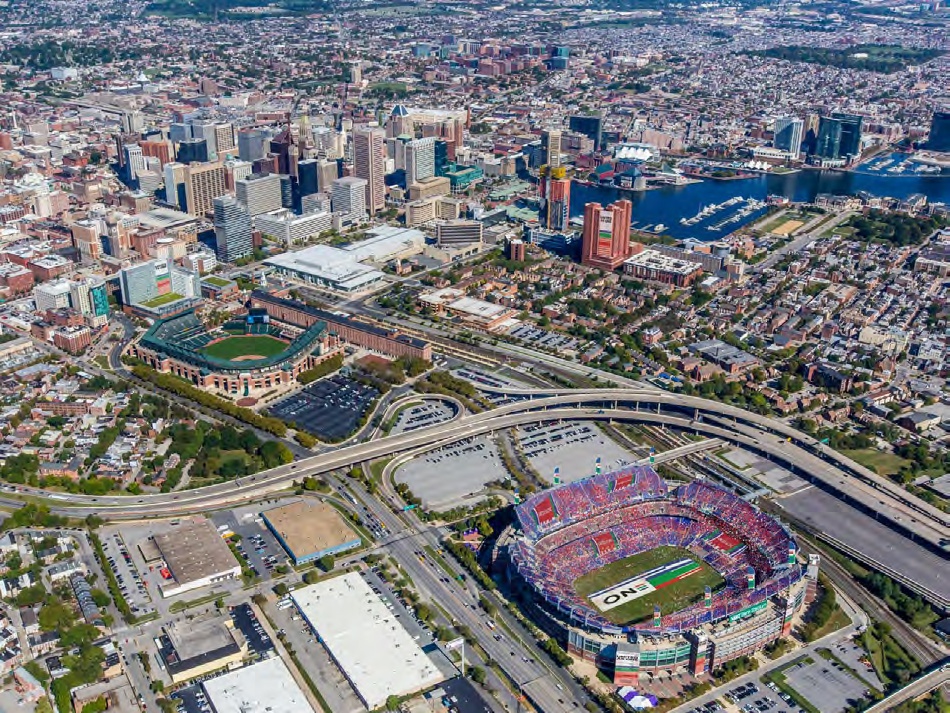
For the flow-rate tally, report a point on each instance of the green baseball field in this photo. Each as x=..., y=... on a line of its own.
x=251, y=346
x=673, y=588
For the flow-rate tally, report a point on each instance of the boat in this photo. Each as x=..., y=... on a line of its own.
x=660, y=227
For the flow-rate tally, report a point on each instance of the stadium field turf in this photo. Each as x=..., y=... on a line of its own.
x=671, y=598
x=254, y=344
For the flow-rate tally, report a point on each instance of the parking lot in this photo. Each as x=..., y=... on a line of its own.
x=131, y=584
x=479, y=377
x=191, y=699
x=543, y=338
x=571, y=447
x=758, y=698
x=245, y=621
x=425, y=414
x=827, y=684
x=330, y=409
x=453, y=474
x=258, y=547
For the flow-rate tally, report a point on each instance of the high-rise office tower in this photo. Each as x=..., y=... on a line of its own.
x=223, y=138
x=207, y=130
x=157, y=149
x=839, y=136
x=175, y=184
x=788, y=135
x=420, y=160
x=850, y=134
x=590, y=126
x=286, y=191
x=259, y=193
x=307, y=178
x=551, y=147
x=606, y=240
x=327, y=173
x=349, y=196
x=251, y=144
x=554, y=191
x=203, y=183
x=134, y=160
x=940, y=130
x=179, y=132
x=282, y=146
x=369, y=163
x=193, y=151
x=236, y=170
x=441, y=157
x=232, y=229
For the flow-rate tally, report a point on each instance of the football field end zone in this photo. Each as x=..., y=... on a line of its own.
x=674, y=597
x=643, y=584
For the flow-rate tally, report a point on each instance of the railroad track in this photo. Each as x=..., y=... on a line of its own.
x=927, y=652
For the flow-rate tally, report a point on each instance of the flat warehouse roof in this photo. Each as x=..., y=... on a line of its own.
x=307, y=527
x=194, y=550
x=265, y=687
x=368, y=643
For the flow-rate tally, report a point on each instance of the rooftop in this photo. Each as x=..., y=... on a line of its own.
x=194, y=550
x=377, y=654
x=308, y=526
x=264, y=687
x=196, y=639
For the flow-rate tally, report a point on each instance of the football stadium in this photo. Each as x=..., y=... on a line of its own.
x=244, y=356
x=642, y=576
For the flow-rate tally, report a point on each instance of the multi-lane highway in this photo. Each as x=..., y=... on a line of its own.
x=711, y=418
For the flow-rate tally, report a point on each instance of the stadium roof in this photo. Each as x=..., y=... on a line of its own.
x=375, y=652
x=265, y=687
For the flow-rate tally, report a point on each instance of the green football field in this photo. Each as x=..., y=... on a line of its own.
x=259, y=345
x=671, y=598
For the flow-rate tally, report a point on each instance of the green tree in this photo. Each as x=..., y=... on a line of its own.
x=326, y=563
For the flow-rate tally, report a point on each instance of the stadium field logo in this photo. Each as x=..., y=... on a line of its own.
x=643, y=584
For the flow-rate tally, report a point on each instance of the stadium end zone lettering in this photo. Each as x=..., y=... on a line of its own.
x=622, y=593
x=640, y=586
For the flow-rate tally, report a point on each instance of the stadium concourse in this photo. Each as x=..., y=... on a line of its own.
x=577, y=532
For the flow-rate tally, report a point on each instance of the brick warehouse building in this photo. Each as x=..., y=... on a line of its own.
x=361, y=334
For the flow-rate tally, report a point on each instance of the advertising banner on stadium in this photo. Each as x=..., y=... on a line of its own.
x=637, y=587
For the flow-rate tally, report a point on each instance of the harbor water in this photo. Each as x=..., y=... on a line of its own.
x=670, y=206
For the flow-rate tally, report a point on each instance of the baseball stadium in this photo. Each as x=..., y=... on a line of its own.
x=640, y=575
x=243, y=356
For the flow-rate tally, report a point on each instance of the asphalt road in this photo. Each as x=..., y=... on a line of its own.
x=820, y=461
x=537, y=680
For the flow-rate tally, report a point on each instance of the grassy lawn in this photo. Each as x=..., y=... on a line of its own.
x=843, y=230
x=838, y=620
x=217, y=281
x=162, y=299
x=397, y=87
x=771, y=225
x=253, y=344
x=377, y=467
x=670, y=598
x=880, y=463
